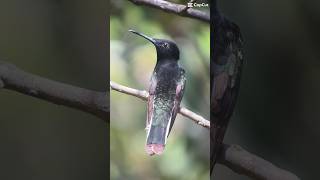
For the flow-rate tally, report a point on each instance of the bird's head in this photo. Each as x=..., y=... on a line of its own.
x=166, y=49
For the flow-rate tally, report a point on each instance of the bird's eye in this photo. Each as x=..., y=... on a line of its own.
x=229, y=35
x=165, y=45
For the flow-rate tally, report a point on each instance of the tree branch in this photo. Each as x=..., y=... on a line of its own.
x=93, y=102
x=232, y=156
x=243, y=162
x=181, y=10
x=144, y=96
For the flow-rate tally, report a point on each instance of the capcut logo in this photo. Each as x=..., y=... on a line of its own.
x=190, y=5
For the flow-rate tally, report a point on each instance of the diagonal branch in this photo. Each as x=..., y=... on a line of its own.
x=93, y=102
x=181, y=10
x=232, y=156
x=246, y=163
x=144, y=96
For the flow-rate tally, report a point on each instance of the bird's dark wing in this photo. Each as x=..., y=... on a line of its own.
x=152, y=90
x=179, y=94
x=225, y=78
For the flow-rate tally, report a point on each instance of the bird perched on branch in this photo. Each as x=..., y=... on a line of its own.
x=165, y=94
x=226, y=63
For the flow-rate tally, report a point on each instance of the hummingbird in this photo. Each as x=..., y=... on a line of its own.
x=166, y=90
x=226, y=64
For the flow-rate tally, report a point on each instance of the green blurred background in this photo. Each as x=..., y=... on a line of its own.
x=64, y=41
x=132, y=60
x=277, y=114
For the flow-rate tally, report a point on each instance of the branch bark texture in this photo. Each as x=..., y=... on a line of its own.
x=93, y=102
x=246, y=163
x=179, y=9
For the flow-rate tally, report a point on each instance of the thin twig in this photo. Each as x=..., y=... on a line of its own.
x=144, y=96
x=89, y=101
x=130, y=91
x=178, y=9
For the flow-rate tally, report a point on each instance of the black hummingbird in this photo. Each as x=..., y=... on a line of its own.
x=226, y=64
x=165, y=94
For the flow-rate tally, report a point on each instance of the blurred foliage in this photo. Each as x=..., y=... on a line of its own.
x=132, y=60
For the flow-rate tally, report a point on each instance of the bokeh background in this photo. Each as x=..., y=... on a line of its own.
x=64, y=41
x=278, y=110
x=132, y=60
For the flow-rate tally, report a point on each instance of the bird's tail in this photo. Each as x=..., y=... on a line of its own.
x=216, y=139
x=156, y=140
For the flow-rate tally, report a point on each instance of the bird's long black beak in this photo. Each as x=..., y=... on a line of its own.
x=145, y=36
